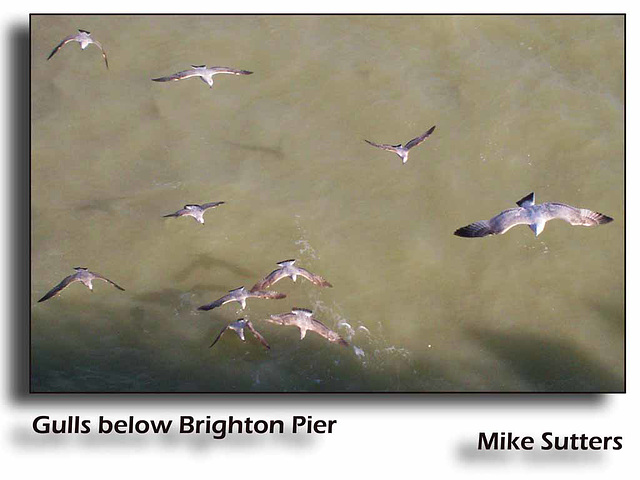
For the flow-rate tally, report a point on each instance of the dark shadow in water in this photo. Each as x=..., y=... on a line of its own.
x=205, y=261
x=549, y=365
x=19, y=213
x=270, y=151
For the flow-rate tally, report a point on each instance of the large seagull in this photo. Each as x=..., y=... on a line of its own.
x=82, y=275
x=535, y=216
x=205, y=73
x=304, y=320
x=288, y=269
x=240, y=295
x=238, y=326
x=84, y=39
x=403, y=150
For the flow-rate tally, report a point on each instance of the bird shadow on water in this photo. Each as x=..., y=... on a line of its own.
x=206, y=261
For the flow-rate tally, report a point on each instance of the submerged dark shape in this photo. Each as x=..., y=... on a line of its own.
x=82, y=275
x=535, y=216
x=205, y=73
x=194, y=210
x=85, y=39
x=403, y=150
x=288, y=269
x=304, y=320
x=240, y=295
x=238, y=326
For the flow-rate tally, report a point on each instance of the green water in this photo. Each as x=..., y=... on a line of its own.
x=521, y=104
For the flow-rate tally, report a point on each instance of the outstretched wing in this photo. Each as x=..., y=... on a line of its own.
x=499, y=224
x=384, y=146
x=231, y=71
x=321, y=329
x=256, y=334
x=267, y=294
x=221, y=301
x=573, y=215
x=104, y=54
x=204, y=206
x=58, y=288
x=315, y=279
x=219, y=335
x=178, y=76
x=418, y=140
x=66, y=40
x=97, y=275
x=269, y=280
x=179, y=213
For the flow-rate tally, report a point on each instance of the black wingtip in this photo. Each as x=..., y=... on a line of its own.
x=475, y=230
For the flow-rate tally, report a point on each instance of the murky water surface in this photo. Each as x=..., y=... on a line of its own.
x=521, y=104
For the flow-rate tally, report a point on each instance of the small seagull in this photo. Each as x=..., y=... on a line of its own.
x=205, y=74
x=304, y=320
x=82, y=275
x=240, y=295
x=288, y=269
x=195, y=211
x=535, y=216
x=403, y=151
x=238, y=326
x=84, y=39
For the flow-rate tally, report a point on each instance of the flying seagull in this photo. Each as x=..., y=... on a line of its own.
x=288, y=269
x=238, y=326
x=304, y=320
x=240, y=295
x=528, y=213
x=82, y=275
x=84, y=39
x=205, y=74
x=403, y=151
x=195, y=211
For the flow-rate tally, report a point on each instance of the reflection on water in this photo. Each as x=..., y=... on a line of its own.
x=521, y=104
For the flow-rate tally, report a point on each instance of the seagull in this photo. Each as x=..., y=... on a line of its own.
x=288, y=269
x=195, y=211
x=240, y=295
x=84, y=39
x=403, y=151
x=535, y=216
x=205, y=74
x=238, y=326
x=82, y=275
x=304, y=320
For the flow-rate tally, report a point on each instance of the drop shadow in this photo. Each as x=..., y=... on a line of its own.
x=206, y=261
x=19, y=213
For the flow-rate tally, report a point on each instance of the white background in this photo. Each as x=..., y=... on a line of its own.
x=421, y=436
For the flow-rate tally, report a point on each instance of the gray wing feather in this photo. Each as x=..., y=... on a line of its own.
x=178, y=76
x=420, y=139
x=58, y=288
x=256, y=334
x=101, y=277
x=573, y=215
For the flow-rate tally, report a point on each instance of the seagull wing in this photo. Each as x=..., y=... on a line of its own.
x=269, y=280
x=418, y=140
x=256, y=334
x=573, y=215
x=58, y=288
x=324, y=331
x=204, y=206
x=179, y=76
x=221, y=301
x=104, y=54
x=66, y=40
x=179, y=213
x=315, y=279
x=230, y=71
x=384, y=146
x=497, y=225
x=267, y=294
x=219, y=335
x=100, y=277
